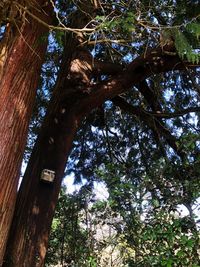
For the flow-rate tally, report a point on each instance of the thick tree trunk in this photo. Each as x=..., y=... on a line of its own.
x=21, y=59
x=36, y=199
x=36, y=202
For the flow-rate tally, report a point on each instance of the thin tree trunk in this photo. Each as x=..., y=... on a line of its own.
x=21, y=59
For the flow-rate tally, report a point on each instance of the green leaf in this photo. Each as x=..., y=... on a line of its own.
x=169, y=263
x=194, y=28
x=184, y=48
x=59, y=37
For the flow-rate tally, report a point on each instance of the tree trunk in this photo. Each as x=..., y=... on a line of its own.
x=21, y=59
x=36, y=199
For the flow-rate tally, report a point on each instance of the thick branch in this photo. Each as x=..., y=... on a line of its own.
x=106, y=68
x=153, y=62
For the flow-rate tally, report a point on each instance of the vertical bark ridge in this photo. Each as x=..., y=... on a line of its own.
x=36, y=200
x=19, y=77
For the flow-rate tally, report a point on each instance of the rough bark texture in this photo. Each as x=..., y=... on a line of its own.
x=36, y=200
x=19, y=76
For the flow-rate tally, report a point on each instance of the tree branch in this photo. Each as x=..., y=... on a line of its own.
x=94, y=95
x=149, y=95
x=180, y=113
x=138, y=111
x=156, y=126
x=106, y=68
x=153, y=62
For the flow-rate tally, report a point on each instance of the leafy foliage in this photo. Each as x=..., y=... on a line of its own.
x=183, y=45
x=129, y=229
x=68, y=238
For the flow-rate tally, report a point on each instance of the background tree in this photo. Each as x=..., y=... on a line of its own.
x=129, y=228
x=150, y=55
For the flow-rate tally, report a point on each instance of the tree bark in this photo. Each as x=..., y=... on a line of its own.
x=21, y=59
x=36, y=200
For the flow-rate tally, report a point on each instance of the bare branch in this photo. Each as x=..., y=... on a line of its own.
x=174, y=114
x=138, y=111
x=51, y=27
